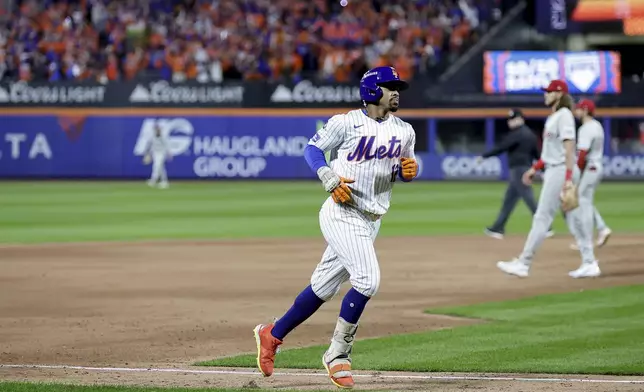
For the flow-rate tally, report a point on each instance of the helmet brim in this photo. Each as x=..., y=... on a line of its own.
x=397, y=85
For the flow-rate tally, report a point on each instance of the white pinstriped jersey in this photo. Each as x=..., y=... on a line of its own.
x=560, y=126
x=158, y=145
x=368, y=152
x=591, y=138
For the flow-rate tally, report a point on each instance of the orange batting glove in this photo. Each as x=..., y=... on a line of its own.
x=342, y=193
x=409, y=168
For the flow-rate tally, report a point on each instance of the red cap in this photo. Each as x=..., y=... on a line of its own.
x=586, y=104
x=557, y=85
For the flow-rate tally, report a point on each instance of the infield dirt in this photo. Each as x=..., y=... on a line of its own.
x=170, y=304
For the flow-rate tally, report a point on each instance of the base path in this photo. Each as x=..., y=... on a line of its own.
x=169, y=304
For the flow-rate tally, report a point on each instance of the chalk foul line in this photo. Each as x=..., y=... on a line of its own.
x=302, y=374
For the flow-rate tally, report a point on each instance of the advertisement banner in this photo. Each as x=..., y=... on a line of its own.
x=202, y=147
x=589, y=16
x=607, y=10
x=623, y=167
x=316, y=94
x=146, y=94
x=207, y=148
x=306, y=93
x=460, y=167
x=506, y=73
x=50, y=94
x=161, y=93
x=113, y=147
x=527, y=72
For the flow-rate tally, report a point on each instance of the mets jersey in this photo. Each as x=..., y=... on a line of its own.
x=591, y=138
x=560, y=126
x=368, y=152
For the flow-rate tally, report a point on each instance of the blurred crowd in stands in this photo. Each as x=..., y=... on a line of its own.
x=215, y=40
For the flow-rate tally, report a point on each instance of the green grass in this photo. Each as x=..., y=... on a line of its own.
x=55, y=211
x=588, y=332
x=43, y=387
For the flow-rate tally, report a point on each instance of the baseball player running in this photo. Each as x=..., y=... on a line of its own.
x=369, y=149
x=590, y=146
x=158, y=151
x=558, y=159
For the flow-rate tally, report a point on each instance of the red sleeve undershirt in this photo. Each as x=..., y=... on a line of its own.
x=538, y=165
x=581, y=161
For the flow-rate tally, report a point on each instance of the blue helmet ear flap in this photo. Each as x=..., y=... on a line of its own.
x=370, y=92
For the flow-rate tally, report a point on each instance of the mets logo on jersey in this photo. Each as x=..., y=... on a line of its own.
x=365, y=150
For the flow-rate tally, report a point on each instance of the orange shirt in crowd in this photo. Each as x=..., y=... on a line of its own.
x=381, y=62
x=112, y=70
x=459, y=34
x=191, y=70
x=404, y=66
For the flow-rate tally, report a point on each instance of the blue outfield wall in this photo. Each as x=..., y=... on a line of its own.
x=206, y=147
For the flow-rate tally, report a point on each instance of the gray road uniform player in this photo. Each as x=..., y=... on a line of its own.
x=590, y=147
x=558, y=160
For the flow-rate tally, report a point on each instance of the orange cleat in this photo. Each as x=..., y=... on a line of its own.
x=267, y=346
x=339, y=371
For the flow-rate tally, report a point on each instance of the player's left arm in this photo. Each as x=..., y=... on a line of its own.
x=567, y=135
x=408, y=165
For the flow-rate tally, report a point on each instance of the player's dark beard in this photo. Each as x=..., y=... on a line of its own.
x=552, y=103
x=392, y=106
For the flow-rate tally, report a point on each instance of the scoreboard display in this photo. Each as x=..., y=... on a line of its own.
x=586, y=16
x=526, y=72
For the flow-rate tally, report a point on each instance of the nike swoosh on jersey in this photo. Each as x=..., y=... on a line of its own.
x=357, y=126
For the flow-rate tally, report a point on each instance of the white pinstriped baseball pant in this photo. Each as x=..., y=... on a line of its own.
x=350, y=254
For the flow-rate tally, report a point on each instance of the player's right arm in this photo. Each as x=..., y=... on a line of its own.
x=326, y=139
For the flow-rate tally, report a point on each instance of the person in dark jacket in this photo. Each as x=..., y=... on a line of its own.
x=521, y=145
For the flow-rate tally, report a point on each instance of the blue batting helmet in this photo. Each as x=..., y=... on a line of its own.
x=371, y=81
